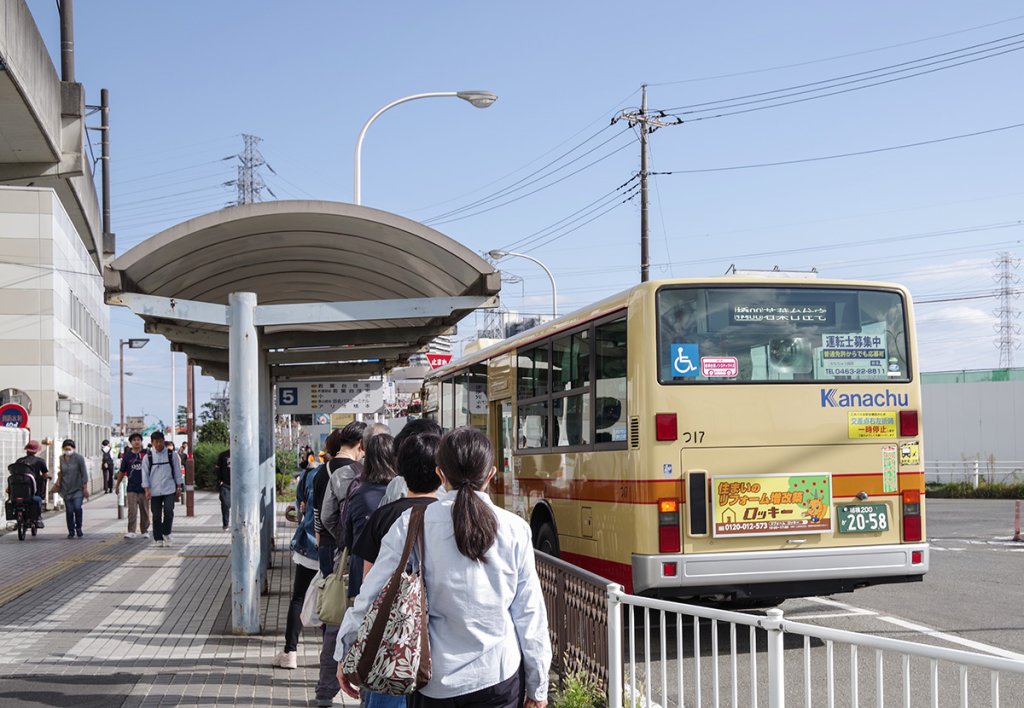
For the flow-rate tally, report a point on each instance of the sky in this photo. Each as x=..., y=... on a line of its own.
x=545, y=172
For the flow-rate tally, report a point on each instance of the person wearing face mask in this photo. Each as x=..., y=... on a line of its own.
x=73, y=484
x=108, y=468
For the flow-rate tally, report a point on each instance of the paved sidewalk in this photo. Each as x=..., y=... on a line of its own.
x=105, y=621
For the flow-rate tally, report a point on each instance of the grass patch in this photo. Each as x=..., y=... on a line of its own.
x=966, y=490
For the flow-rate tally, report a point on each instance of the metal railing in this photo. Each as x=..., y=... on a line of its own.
x=577, y=606
x=974, y=471
x=663, y=653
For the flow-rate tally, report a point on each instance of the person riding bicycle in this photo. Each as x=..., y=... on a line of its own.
x=21, y=487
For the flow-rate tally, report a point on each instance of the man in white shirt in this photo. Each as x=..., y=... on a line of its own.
x=161, y=480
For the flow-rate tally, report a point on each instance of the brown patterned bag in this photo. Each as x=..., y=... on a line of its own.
x=391, y=653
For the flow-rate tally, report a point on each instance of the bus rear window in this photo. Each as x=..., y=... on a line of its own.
x=764, y=334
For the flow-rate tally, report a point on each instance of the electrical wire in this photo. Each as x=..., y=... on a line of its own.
x=835, y=81
x=538, y=189
x=525, y=182
x=616, y=200
x=613, y=207
x=857, y=153
x=837, y=56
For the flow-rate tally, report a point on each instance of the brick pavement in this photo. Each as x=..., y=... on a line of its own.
x=105, y=621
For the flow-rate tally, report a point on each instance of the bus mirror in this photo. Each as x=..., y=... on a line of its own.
x=791, y=355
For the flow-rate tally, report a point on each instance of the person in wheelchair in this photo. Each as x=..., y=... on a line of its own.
x=21, y=489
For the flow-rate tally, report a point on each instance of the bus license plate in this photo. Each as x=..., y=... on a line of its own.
x=863, y=518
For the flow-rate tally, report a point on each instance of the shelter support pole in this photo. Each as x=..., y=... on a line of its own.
x=243, y=370
x=268, y=516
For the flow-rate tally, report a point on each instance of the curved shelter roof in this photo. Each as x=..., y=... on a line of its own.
x=304, y=252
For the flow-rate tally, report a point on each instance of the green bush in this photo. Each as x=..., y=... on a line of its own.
x=579, y=690
x=214, y=431
x=206, y=463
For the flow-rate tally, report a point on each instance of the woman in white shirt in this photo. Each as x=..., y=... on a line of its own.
x=488, y=626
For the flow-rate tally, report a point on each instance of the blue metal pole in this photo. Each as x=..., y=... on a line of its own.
x=243, y=365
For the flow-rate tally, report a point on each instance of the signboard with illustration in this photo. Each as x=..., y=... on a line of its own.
x=770, y=505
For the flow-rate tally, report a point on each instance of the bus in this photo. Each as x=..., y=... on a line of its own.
x=738, y=440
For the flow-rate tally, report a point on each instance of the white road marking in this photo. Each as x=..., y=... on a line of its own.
x=921, y=629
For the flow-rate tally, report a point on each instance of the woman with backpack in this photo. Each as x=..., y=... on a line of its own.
x=487, y=625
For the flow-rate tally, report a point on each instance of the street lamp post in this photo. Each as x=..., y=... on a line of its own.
x=480, y=99
x=498, y=255
x=133, y=343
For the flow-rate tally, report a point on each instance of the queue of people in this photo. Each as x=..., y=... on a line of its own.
x=487, y=623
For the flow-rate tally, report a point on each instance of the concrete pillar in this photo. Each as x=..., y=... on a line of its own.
x=267, y=513
x=243, y=374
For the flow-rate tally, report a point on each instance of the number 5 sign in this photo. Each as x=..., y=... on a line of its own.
x=287, y=396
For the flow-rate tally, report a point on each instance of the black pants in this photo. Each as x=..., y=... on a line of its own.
x=510, y=693
x=303, y=577
x=163, y=515
x=225, y=504
x=108, y=480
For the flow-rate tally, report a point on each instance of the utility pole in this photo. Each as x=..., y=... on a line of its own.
x=1008, y=315
x=647, y=125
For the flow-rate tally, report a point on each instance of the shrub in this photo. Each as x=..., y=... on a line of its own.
x=205, y=456
x=966, y=490
x=579, y=690
x=214, y=431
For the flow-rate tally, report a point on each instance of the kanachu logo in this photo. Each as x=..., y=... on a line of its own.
x=831, y=398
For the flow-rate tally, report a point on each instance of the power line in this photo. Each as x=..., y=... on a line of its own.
x=525, y=182
x=879, y=72
x=538, y=189
x=837, y=56
x=822, y=158
x=632, y=195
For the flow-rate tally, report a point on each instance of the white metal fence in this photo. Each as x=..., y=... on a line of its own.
x=663, y=653
x=974, y=471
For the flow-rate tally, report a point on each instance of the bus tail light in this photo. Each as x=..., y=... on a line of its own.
x=908, y=424
x=912, y=515
x=665, y=427
x=668, y=526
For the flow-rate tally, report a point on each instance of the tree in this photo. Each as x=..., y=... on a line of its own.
x=182, y=417
x=214, y=431
x=217, y=408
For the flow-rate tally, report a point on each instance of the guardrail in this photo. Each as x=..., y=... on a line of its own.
x=647, y=653
x=973, y=471
x=657, y=660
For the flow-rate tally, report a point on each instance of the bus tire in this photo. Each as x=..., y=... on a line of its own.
x=546, y=540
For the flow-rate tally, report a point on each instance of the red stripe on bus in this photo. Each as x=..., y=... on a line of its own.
x=621, y=573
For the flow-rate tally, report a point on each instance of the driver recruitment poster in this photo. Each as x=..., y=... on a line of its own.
x=773, y=504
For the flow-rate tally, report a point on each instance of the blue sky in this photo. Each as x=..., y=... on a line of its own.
x=186, y=79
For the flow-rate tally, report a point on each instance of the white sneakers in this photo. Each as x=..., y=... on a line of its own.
x=286, y=660
x=158, y=544
x=130, y=534
x=167, y=541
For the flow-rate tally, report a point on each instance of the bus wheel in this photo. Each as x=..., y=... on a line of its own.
x=546, y=540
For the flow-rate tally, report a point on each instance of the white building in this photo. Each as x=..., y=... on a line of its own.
x=54, y=325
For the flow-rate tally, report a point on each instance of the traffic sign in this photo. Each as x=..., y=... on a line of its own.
x=13, y=415
x=438, y=360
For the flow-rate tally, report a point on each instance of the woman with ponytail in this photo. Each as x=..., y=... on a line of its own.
x=487, y=622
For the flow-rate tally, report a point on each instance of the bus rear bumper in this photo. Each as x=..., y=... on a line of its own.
x=694, y=572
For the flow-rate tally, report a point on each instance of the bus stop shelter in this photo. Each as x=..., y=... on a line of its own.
x=292, y=291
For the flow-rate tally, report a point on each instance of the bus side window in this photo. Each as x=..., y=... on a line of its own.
x=610, y=362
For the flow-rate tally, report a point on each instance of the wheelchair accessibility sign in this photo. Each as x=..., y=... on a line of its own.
x=685, y=360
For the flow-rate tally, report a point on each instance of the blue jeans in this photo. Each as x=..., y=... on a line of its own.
x=325, y=551
x=163, y=515
x=73, y=513
x=379, y=700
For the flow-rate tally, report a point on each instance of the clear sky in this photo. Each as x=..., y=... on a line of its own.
x=188, y=78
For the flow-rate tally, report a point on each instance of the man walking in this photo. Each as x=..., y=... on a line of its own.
x=39, y=469
x=224, y=485
x=131, y=467
x=161, y=478
x=73, y=484
x=108, y=467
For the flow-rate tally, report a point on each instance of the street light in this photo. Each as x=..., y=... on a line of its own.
x=133, y=343
x=479, y=99
x=498, y=255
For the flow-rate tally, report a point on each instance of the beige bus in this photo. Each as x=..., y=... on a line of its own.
x=735, y=439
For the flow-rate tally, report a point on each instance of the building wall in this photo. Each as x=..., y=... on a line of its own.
x=54, y=325
x=976, y=415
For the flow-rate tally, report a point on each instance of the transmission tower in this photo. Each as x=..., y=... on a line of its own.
x=250, y=184
x=1007, y=313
